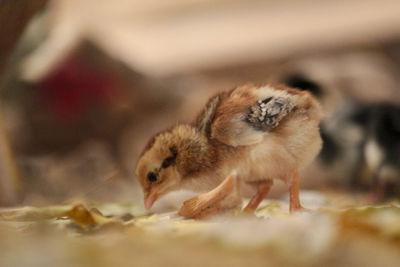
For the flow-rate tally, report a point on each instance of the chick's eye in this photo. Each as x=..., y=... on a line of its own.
x=152, y=177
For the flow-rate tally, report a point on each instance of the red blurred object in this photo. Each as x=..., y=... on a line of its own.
x=75, y=88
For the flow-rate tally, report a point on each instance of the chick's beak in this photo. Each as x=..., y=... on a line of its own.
x=149, y=201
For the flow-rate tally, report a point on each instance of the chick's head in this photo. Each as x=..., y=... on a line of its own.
x=166, y=161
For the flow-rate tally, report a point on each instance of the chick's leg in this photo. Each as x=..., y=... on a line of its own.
x=294, y=193
x=223, y=197
x=262, y=191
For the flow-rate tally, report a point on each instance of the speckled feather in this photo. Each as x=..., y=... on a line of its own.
x=266, y=114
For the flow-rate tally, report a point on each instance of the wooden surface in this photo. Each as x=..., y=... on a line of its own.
x=165, y=38
x=14, y=16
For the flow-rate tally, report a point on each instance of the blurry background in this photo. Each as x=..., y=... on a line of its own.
x=84, y=84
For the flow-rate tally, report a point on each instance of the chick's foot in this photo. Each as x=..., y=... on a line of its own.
x=224, y=197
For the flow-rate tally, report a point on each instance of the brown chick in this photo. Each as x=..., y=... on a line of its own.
x=245, y=137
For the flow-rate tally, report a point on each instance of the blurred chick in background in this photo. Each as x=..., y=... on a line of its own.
x=382, y=148
x=361, y=131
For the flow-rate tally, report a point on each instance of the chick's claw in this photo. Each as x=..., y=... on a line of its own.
x=198, y=208
x=224, y=197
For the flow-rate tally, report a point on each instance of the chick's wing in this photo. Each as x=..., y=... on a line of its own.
x=247, y=114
